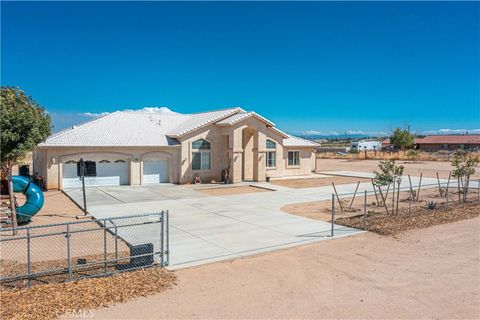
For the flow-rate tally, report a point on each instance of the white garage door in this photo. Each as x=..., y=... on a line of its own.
x=155, y=171
x=108, y=174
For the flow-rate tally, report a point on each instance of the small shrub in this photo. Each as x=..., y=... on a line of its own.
x=413, y=155
x=431, y=205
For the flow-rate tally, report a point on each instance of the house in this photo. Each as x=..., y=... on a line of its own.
x=448, y=142
x=443, y=142
x=139, y=148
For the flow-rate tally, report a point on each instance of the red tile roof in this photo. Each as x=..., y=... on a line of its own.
x=449, y=139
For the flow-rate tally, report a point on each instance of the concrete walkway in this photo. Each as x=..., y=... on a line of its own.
x=206, y=228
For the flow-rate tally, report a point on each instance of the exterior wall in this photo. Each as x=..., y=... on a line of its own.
x=48, y=161
x=451, y=147
x=219, y=155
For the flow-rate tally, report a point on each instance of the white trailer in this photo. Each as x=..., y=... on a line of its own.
x=363, y=145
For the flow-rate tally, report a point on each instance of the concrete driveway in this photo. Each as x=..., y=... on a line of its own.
x=206, y=228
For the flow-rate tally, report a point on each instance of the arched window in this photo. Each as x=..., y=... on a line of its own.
x=271, y=156
x=120, y=161
x=70, y=162
x=104, y=161
x=201, y=155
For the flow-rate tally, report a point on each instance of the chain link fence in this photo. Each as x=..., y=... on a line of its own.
x=82, y=249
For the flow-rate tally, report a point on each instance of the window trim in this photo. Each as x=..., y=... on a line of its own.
x=201, y=152
x=293, y=165
x=274, y=160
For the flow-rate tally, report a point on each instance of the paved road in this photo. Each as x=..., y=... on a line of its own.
x=206, y=228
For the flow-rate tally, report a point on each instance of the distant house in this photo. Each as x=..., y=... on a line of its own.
x=448, y=142
x=137, y=148
x=443, y=142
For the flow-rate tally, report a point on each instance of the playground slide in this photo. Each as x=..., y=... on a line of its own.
x=34, y=198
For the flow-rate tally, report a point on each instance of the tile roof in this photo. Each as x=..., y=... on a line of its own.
x=199, y=120
x=136, y=128
x=293, y=141
x=446, y=139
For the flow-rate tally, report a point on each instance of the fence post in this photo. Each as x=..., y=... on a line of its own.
x=162, y=249
x=116, y=243
x=478, y=191
x=29, y=261
x=333, y=214
x=105, y=246
x=365, y=212
x=69, y=259
x=167, y=232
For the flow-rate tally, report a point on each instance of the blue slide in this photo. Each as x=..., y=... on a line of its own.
x=34, y=198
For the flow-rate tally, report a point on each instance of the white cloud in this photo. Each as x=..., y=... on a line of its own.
x=450, y=131
x=157, y=110
x=94, y=115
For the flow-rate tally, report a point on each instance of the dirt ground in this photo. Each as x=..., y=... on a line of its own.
x=227, y=191
x=429, y=273
x=429, y=168
x=57, y=208
x=316, y=182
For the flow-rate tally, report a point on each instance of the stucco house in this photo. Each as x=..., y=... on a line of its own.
x=137, y=148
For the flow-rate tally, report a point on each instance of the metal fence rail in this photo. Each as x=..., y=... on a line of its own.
x=82, y=249
x=362, y=202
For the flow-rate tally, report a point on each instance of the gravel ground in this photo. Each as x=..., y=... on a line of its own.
x=428, y=273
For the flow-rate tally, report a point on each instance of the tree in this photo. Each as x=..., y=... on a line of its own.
x=24, y=124
x=402, y=139
x=464, y=166
x=389, y=174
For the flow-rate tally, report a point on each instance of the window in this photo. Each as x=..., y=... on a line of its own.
x=90, y=169
x=104, y=161
x=270, y=144
x=271, y=163
x=70, y=162
x=201, y=155
x=293, y=158
x=271, y=154
x=120, y=161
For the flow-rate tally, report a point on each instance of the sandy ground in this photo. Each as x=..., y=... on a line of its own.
x=429, y=168
x=429, y=273
x=316, y=182
x=226, y=191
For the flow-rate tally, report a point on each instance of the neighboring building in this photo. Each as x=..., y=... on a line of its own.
x=444, y=142
x=363, y=145
x=448, y=142
x=136, y=148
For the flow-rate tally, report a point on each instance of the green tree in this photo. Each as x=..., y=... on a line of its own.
x=24, y=124
x=402, y=139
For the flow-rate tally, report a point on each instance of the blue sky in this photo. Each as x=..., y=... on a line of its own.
x=310, y=66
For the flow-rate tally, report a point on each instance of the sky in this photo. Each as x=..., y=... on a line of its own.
x=317, y=67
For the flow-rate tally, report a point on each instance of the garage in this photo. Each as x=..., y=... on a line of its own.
x=155, y=171
x=99, y=173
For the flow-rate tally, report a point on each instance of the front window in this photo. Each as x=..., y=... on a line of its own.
x=293, y=158
x=201, y=155
x=271, y=154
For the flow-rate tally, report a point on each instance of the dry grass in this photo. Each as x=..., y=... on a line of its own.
x=380, y=155
x=79, y=298
x=419, y=218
